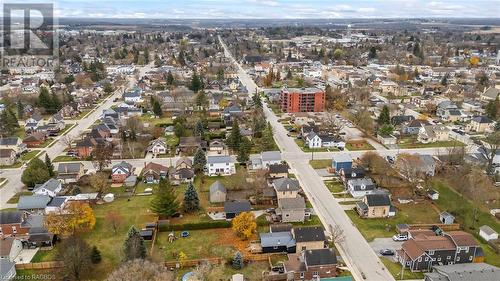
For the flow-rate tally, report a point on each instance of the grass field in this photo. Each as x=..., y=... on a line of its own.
x=365, y=146
x=386, y=227
x=395, y=270
x=29, y=155
x=64, y=158
x=334, y=187
x=320, y=164
x=412, y=143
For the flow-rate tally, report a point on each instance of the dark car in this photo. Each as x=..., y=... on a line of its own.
x=387, y=252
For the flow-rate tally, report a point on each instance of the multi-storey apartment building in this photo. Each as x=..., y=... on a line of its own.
x=302, y=100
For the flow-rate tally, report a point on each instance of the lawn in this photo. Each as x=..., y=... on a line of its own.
x=413, y=143
x=314, y=221
x=386, y=227
x=135, y=211
x=64, y=158
x=29, y=155
x=82, y=114
x=395, y=270
x=320, y=164
x=365, y=146
x=153, y=121
x=334, y=186
x=251, y=271
x=45, y=255
x=302, y=146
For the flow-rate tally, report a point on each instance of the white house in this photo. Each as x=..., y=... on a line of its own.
x=270, y=158
x=51, y=188
x=157, y=146
x=313, y=140
x=487, y=233
x=360, y=187
x=132, y=97
x=11, y=247
x=220, y=165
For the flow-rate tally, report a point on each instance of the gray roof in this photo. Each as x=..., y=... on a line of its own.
x=465, y=272
x=5, y=267
x=219, y=159
x=446, y=214
x=51, y=184
x=488, y=230
x=9, y=141
x=320, y=257
x=237, y=206
x=482, y=119
x=271, y=156
x=33, y=202
x=378, y=200
x=217, y=186
x=309, y=234
x=357, y=183
x=286, y=184
x=277, y=239
x=57, y=201
x=342, y=157
x=34, y=222
x=9, y=217
x=69, y=167
x=292, y=203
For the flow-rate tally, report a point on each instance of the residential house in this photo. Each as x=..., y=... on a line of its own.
x=487, y=233
x=490, y=94
x=12, y=223
x=182, y=172
x=463, y=272
x=33, y=204
x=152, y=172
x=353, y=173
x=312, y=264
x=217, y=147
x=341, y=161
x=314, y=140
x=427, y=164
x=85, y=147
x=277, y=242
x=191, y=144
x=270, y=158
x=218, y=192
x=310, y=238
x=157, y=147
x=220, y=165
x=286, y=188
x=51, y=188
x=360, y=187
x=10, y=248
x=433, y=133
x=234, y=208
x=70, y=172
x=480, y=124
x=132, y=97
x=56, y=121
x=291, y=209
x=277, y=171
x=7, y=270
x=401, y=120
x=13, y=143
x=32, y=123
x=56, y=205
x=449, y=111
x=375, y=206
x=413, y=128
x=35, y=139
x=7, y=157
x=120, y=172
x=425, y=249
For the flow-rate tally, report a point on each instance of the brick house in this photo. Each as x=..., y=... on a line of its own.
x=12, y=223
x=312, y=264
x=120, y=171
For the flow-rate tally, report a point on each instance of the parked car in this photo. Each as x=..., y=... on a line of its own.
x=390, y=159
x=387, y=252
x=400, y=237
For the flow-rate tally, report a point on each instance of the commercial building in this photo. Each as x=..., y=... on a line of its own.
x=302, y=100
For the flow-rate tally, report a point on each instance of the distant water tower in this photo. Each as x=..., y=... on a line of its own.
x=348, y=31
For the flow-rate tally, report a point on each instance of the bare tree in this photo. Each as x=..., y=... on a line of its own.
x=114, y=219
x=75, y=253
x=99, y=182
x=491, y=145
x=409, y=166
x=141, y=270
x=68, y=140
x=101, y=155
x=337, y=234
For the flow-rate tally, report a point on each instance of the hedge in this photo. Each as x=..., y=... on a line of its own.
x=195, y=226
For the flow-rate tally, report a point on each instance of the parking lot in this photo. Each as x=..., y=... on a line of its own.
x=384, y=243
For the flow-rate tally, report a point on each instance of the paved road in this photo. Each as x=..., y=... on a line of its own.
x=357, y=253
x=15, y=185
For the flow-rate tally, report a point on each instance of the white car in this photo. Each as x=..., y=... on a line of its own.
x=400, y=237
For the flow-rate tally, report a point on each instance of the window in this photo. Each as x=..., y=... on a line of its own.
x=431, y=253
x=470, y=258
x=302, y=275
x=458, y=258
x=426, y=259
x=14, y=230
x=448, y=257
x=420, y=259
x=304, y=248
x=315, y=273
x=408, y=263
x=439, y=259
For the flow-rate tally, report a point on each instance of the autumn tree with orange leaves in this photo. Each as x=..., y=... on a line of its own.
x=76, y=217
x=244, y=225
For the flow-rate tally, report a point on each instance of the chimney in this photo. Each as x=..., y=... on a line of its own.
x=287, y=186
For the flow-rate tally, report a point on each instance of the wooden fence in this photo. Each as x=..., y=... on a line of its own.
x=444, y=227
x=40, y=265
x=191, y=263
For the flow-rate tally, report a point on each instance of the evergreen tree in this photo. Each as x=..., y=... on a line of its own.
x=199, y=160
x=198, y=128
x=165, y=201
x=238, y=261
x=289, y=74
x=492, y=108
x=244, y=150
x=234, y=139
x=8, y=122
x=373, y=53
x=191, y=200
x=384, y=117
x=257, y=101
x=157, y=108
x=134, y=247
x=95, y=255
x=196, y=83
x=49, y=165
x=20, y=109
x=170, y=78
x=201, y=99
x=268, y=138
x=44, y=99
x=36, y=172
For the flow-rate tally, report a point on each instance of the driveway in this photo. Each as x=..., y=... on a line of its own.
x=384, y=243
x=26, y=255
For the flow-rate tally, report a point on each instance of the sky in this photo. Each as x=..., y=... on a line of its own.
x=275, y=9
